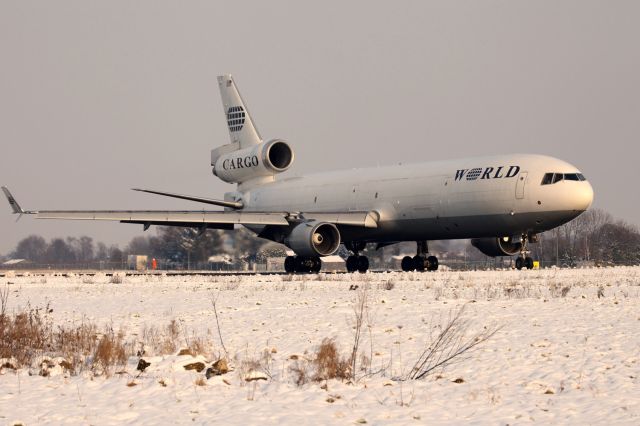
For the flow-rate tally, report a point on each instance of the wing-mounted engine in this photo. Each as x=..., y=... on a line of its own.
x=265, y=159
x=314, y=238
x=507, y=246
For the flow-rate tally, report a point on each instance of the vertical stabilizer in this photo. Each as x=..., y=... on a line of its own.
x=241, y=128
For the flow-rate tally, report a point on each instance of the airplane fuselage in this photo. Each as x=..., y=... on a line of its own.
x=466, y=198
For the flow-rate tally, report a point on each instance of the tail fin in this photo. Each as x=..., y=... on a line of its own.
x=241, y=127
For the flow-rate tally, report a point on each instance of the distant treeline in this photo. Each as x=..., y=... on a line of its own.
x=594, y=236
x=174, y=246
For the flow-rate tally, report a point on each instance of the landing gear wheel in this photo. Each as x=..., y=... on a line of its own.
x=300, y=264
x=317, y=265
x=363, y=264
x=419, y=263
x=407, y=264
x=519, y=263
x=352, y=263
x=528, y=263
x=290, y=264
x=432, y=263
x=307, y=264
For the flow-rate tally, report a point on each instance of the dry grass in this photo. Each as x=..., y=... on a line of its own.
x=329, y=364
x=116, y=279
x=28, y=336
x=300, y=371
x=76, y=343
x=326, y=363
x=24, y=336
x=109, y=352
x=162, y=341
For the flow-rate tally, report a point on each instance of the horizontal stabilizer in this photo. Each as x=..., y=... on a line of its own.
x=222, y=203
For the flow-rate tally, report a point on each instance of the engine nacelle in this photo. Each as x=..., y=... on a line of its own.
x=506, y=246
x=264, y=159
x=314, y=239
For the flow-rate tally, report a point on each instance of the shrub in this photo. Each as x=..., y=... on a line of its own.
x=328, y=363
x=109, y=352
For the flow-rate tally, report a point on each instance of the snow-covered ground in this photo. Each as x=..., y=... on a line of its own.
x=568, y=351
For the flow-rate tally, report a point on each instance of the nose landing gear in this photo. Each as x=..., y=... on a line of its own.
x=420, y=261
x=524, y=260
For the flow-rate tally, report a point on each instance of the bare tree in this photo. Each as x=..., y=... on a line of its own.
x=33, y=248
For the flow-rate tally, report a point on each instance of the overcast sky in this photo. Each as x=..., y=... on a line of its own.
x=100, y=97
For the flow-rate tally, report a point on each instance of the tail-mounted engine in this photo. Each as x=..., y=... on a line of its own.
x=507, y=246
x=261, y=160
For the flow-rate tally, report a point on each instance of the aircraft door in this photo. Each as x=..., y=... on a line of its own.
x=520, y=185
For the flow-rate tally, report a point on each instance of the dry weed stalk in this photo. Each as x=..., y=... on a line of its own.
x=4, y=298
x=451, y=345
x=360, y=312
x=110, y=351
x=214, y=299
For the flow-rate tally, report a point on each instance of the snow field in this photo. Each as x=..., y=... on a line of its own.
x=568, y=350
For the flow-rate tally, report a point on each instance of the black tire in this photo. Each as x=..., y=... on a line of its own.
x=528, y=263
x=407, y=264
x=419, y=263
x=301, y=264
x=352, y=263
x=432, y=263
x=519, y=263
x=290, y=264
x=317, y=265
x=363, y=264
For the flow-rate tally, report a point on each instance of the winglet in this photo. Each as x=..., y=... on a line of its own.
x=12, y=201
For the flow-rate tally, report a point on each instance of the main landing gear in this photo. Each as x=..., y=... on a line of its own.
x=356, y=262
x=524, y=260
x=302, y=264
x=420, y=261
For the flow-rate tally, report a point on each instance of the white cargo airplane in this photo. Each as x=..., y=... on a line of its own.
x=500, y=202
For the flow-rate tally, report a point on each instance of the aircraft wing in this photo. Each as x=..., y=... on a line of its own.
x=187, y=218
x=197, y=218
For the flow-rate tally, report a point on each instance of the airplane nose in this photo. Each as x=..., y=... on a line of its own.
x=583, y=196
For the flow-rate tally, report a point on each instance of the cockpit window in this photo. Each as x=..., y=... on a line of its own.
x=571, y=176
x=551, y=178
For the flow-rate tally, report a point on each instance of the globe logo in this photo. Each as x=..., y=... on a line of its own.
x=474, y=174
x=235, y=118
